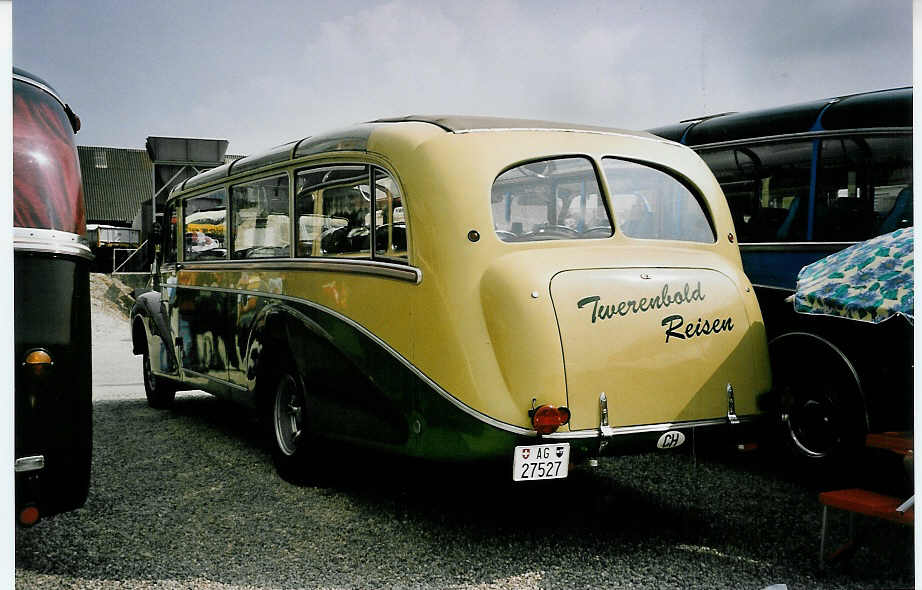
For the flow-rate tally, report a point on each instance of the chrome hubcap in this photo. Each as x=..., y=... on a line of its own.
x=813, y=427
x=148, y=377
x=288, y=415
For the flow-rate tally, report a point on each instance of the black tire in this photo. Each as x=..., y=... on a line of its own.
x=160, y=392
x=285, y=407
x=820, y=412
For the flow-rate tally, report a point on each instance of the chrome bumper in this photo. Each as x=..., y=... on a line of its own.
x=26, y=464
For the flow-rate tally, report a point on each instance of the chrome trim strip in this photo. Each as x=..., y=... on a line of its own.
x=609, y=431
x=26, y=464
x=50, y=241
x=655, y=138
x=793, y=246
x=40, y=86
x=379, y=268
x=210, y=378
x=864, y=131
x=400, y=358
x=774, y=287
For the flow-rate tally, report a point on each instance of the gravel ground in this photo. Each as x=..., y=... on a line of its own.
x=188, y=498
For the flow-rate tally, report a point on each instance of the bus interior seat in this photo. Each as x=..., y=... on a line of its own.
x=849, y=219
x=766, y=223
x=900, y=215
x=784, y=233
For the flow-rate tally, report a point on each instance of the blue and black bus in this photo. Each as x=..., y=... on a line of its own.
x=806, y=180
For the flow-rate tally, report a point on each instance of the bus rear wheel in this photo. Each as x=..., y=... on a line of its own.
x=288, y=423
x=820, y=411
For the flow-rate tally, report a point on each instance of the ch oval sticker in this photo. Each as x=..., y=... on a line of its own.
x=670, y=440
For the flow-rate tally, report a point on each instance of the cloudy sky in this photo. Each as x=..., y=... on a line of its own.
x=260, y=73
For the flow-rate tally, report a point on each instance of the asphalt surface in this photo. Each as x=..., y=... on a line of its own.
x=188, y=498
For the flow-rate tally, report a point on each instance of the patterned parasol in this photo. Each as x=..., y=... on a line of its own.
x=870, y=281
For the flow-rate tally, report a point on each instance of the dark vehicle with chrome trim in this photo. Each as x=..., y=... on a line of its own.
x=804, y=182
x=463, y=289
x=807, y=180
x=51, y=260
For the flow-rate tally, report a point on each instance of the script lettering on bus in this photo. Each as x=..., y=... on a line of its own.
x=644, y=304
x=675, y=324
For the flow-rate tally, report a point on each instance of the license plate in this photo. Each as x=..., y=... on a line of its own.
x=535, y=462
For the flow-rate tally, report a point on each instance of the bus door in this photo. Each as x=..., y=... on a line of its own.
x=201, y=313
x=163, y=355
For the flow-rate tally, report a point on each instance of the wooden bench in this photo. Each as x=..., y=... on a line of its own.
x=858, y=501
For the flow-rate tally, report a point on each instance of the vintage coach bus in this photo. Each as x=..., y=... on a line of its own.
x=460, y=288
x=51, y=260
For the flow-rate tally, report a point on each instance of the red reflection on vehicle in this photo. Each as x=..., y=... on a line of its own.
x=47, y=190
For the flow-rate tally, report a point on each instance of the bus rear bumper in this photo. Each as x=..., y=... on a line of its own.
x=679, y=436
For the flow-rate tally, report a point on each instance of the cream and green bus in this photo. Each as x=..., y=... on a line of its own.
x=461, y=289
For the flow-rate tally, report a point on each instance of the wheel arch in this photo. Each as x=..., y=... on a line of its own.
x=139, y=335
x=277, y=332
x=809, y=340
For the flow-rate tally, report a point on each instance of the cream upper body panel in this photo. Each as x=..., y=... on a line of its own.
x=483, y=320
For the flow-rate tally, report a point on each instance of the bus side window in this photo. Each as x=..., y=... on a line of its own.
x=390, y=220
x=260, y=214
x=859, y=187
x=204, y=236
x=169, y=234
x=333, y=207
x=767, y=187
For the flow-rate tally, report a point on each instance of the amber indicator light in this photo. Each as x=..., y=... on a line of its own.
x=38, y=361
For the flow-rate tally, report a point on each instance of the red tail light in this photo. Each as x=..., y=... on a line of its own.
x=547, y=418
x=28, y=515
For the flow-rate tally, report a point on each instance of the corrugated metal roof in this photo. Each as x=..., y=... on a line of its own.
x=116, y=181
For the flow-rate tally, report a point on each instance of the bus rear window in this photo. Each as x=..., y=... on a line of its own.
x=650, y=204
x=553, y=199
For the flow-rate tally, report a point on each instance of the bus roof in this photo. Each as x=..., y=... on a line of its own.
x=882, y=108
x=467, y=124
x=24, y=76
x=355, y=138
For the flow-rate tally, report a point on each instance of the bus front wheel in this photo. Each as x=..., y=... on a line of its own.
x=160, y=394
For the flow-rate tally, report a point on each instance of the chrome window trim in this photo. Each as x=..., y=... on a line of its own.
x=50, y=241
x=389, y=270
x=291, y=168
